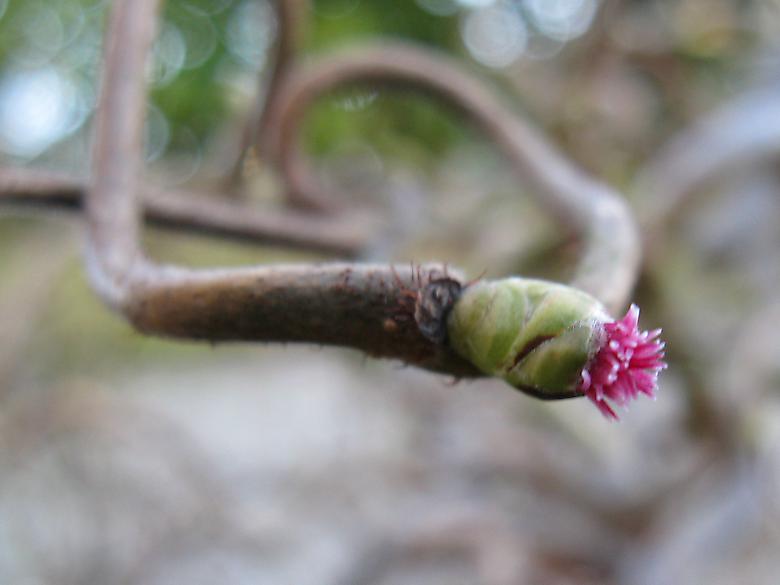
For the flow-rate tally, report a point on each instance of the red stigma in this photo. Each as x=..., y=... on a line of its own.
x=626, y=365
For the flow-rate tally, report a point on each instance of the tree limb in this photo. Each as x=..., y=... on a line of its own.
x=345, y=235
x=745, y=129
x=610, y=262
x=289, y=20
x=362, y=306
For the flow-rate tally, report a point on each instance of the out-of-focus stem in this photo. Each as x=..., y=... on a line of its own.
x=290, y=20
x=344, y=235
x=609, y=265
x=746, y=129
x=361, y=306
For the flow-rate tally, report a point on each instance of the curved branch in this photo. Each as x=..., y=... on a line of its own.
x=361, y=306
x=113, y=218
x=289, y=20
x=743, y=130
x=609, y=266
x=191, y=212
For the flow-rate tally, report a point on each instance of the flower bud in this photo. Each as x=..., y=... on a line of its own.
x=554, y=341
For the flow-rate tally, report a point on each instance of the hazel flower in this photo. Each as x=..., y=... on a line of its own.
x=554, y=341
x=626, y=365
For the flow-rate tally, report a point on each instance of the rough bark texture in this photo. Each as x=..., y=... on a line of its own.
x=366, y=307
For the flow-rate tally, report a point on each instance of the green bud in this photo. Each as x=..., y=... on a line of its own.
x=536, y=335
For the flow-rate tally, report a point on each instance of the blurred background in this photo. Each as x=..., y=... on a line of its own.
x=126, y=459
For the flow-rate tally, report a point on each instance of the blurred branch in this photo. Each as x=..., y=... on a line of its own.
x=367, y=307
x=190, y=212
x=360, y=306
x=744, y=130
x=609, y=265
x=290, y=20
x=730, y=139
x=113, y=218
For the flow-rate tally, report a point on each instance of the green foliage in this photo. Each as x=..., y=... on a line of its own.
x=400, y=125
x=339, y=22
x=197, y=98
x=194, y=99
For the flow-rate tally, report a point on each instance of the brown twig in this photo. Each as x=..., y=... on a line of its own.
x=347, y=305
x=113, y=217
x=609, y=265
x=361, y=306
x=289, y=19
x=345, y=235
x=746, y=129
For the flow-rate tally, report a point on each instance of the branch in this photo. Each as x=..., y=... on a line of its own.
x=191, y=212
x=368, y=307
x=743, y=130
x=609, y=265
x=113, y=218
x=290, y=21
x=361, y=306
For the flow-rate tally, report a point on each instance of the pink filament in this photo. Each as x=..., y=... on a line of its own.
x=626, y=365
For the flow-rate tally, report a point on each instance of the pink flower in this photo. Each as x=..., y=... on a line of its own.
x=626, y=365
